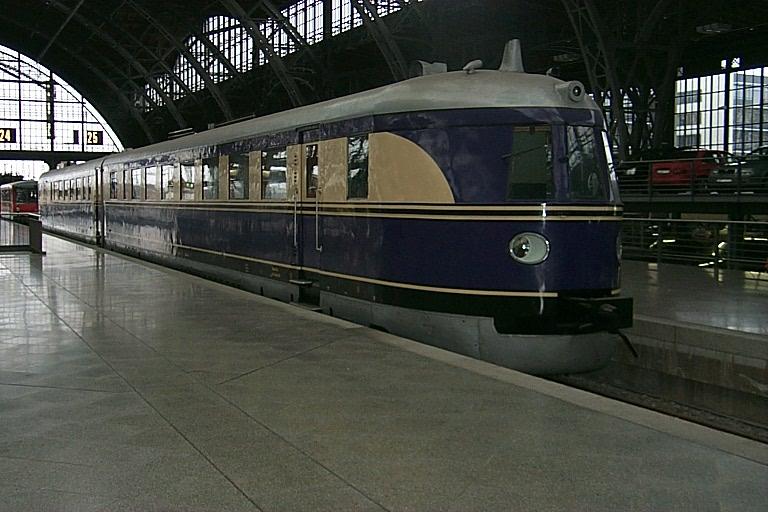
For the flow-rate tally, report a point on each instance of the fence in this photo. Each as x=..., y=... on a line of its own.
x=695, y=177
x=709, y=244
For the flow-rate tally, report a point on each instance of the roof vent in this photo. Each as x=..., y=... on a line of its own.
x=424, y=68
x=513, y=58
x=472, y=66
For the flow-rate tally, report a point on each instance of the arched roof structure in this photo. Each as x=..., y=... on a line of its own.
x=154, y=67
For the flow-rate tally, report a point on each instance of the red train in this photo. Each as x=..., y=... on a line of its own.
x=19, y=197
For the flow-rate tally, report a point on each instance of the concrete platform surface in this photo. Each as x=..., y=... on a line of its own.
x=125, y=386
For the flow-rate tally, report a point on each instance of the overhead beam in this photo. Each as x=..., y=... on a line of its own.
x=216, y=52
x=130, y=59
x=599, y=65
x=182, y=48
x=61, y=28
x=383, y=38
x=260, y=42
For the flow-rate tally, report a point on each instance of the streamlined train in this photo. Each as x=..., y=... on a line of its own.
x=474, y=210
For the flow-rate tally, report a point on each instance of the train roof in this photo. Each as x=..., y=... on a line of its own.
x=455, y=90
x=31, y=183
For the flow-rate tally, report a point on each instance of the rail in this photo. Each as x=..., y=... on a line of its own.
x=21, y=232
x=717, y=245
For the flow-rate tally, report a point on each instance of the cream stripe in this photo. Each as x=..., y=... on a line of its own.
x=382, y=206
x=495, y=218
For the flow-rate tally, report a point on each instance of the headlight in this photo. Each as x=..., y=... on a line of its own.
x=529, y=248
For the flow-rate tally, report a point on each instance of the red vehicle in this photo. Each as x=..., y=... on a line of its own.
x=18, y=197
x=689, y=168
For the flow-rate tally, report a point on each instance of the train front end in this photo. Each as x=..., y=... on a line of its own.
x=530, y=253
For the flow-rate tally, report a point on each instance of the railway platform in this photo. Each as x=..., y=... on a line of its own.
x=127, y=386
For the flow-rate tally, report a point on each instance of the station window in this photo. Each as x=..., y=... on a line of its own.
x=166, y=182
x=312, y=169
x=238, y=176
x=357, y=171
x=529, y=164
x=135, y=183
x=113, y=185
x=188, y=180
x=211, y=178
x=273, y=174
x=150, y=182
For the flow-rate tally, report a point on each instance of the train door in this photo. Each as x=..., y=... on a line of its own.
x=308, y=220
x=97, y=200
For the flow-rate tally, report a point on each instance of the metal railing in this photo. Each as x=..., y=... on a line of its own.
x=694, y=177
x=710, y=244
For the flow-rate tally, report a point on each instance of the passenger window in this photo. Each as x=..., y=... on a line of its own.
x=211, y=178
x=312, y=169
x=150, y=182
x=78, y=187
x=357, y=171
x=238, y=176
x=135, y=183
x=273, y=174
x=113, y=185
x=166, y=182
x=188, y=180
x=529, y=164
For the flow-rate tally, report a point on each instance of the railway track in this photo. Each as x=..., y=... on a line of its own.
x=746, y=420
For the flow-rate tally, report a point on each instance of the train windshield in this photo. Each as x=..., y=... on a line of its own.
x=587, y=176
x=557, y=162
x=529, y=164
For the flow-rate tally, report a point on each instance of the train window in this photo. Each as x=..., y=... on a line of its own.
x=72, y=189
x=113, y=185
x=312, y=169
x=238, y=176
x=357, y=171
x=166, y=182
x=135, y=183
x=150, y=182
x=211, y=178
x=26, y=195
x=89, y=187
x=78, y=188
x=273, y=174
x=188, y=180
x=586, y=181
x=530, y=164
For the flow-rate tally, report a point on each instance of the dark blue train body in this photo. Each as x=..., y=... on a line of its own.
x=473, y=211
